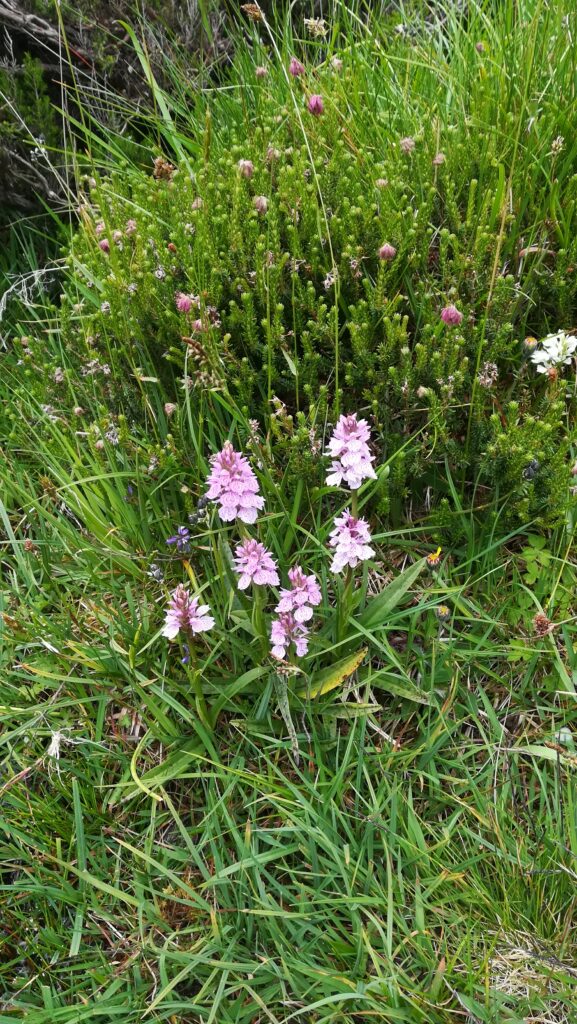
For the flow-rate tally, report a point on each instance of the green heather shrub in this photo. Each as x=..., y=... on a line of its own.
x=274, y=225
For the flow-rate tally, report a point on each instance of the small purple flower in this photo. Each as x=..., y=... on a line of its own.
x=438, y=159
x=261, y=71
x=350, y=538
x=407, y=144
x=304, y=594
x=451, y=315
x=246, y=168
x=255, y=564
x=260, y=204
x=234, y=486
x=286, y=630
x=197, y=204
x=352, y=460
x=181, y=539
x=184, y=302
x=131, y=227
x=387, y=252
x=315, y=105
x=184, y=613
x=296, y=68
x=100, y=227
x=104, y=244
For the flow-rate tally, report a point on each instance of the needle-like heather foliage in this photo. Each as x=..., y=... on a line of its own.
x=389, y=248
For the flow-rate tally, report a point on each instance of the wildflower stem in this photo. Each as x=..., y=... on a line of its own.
x=345, y=605
x=201, y=705
x=258, y=616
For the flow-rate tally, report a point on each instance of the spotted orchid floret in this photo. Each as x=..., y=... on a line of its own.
x=554, y=350
x=254, y=564
x=234, y=486
x=350, y=538
x=185, y=614
x=301, y=597
x=349, y=448
x=285, y=630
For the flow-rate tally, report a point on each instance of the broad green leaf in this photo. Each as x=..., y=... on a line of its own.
x=328, y=679
x=377, y=610
x=400, y=687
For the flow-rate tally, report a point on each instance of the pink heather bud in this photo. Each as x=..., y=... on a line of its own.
x=117, y=236
x=260, y=204
x=234, y=486
x=170, y=408
x=352, y=460
x=78, y=410
x=246, y=168
x=197, y=204
x=183, y=302
x=350, y=538
x=272, y=154
x=387, y=252
x=104, y=244
x=197, y=326
x=451, y=315
x=260, y=71
x=304, y=594
x=336, y=64
x=286, y=630
x=100, y=227
x=131, y=227
x=254, y=564
x=315, y=105
x=407, y=145
x=480, y=47
x=439, y=159
x=296, y=68
x=381, y=182
x=184, y=613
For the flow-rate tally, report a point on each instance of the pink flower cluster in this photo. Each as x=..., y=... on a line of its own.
x=184, y=613
x=294, y=609
x=255, y=564
x=303, y=595
x=350, y=538
x=234, y=486
x=451, y=316
x=184, y=303
x=296, y=68
x=315, y=105
x=352, y=460
x=286, y=630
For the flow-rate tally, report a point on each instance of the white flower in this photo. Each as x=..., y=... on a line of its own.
x=317, y=27
x=555, y=350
